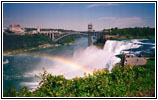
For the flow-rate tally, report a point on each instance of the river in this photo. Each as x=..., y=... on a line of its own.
x=68, y=60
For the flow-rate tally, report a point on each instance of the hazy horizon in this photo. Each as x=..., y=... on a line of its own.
x=76, y=16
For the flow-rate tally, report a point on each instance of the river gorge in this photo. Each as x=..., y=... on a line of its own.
x=69, y=60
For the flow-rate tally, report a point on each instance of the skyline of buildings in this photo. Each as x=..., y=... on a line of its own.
x=16, y=29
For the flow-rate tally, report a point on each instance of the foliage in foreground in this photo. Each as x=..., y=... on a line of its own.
x=121, y=82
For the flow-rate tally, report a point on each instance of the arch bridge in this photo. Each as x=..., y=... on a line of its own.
x=56, y=40
x=90, y=35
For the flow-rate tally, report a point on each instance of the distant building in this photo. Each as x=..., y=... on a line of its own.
x=60, y=32
x=44, y=32
x=15, y=28
x=38, y=29
x=33, y=32
x=56, y=31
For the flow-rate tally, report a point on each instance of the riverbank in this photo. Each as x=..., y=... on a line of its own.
x=17, y=44
x=47, y=45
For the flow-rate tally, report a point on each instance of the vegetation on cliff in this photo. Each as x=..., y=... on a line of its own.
x=136, y=33
x=19, y=42
x=126, y=33
x=69, y=39
x=14, y=42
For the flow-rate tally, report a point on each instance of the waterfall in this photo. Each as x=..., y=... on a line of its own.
x=96, y=58
x=88, y=59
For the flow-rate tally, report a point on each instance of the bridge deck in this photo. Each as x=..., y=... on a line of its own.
x=72, y=34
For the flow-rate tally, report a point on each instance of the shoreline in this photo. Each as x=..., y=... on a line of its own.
x=47, y=45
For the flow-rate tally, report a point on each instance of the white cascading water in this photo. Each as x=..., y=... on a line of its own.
x=96, y=58
x=91, y=58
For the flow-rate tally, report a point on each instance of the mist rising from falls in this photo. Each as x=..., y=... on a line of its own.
x=90, y=58
x=96, y=58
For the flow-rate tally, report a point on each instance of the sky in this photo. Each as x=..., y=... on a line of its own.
x=76, y=16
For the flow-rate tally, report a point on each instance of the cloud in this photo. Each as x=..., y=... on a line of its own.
x=128, y=21
x=101, y=4
x=110, y=22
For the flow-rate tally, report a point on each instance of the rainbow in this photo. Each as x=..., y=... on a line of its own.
x=65, y=61
x=68, y=62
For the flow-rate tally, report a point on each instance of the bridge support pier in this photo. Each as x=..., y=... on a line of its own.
x=49, y=35
x=90, y=39
x=52, y=37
